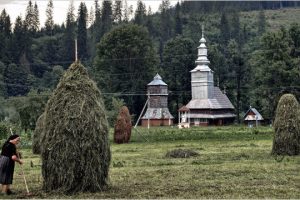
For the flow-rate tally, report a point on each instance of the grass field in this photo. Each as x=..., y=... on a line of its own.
x=233, y=162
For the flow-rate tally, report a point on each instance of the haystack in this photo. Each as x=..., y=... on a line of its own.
x=123, y=126
x=76, y=153
x=38, y=134
x=287, y=127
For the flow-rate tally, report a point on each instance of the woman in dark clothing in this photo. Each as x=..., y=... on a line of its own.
x=7, y=162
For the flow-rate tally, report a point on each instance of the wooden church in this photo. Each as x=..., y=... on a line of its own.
x=157, y=113
x=209, y=105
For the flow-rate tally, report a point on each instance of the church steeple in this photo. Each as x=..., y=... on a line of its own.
x=202, y=52
x=202, y=75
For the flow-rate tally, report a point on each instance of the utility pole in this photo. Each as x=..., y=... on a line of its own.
x=76, y=57
x=148, y=109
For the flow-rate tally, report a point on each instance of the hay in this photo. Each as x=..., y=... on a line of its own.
x=75, y=153
x=287, y=127
x=123, y=126
x=181, y=153
x=37, y=134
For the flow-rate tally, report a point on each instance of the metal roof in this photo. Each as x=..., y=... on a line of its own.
x=218, y=101
x=157, y=80
x=257, y=115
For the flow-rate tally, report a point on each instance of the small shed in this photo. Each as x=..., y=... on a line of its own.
x=253, y=117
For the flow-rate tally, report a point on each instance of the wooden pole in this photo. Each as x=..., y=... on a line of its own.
x=148, y=109
x=76, y=57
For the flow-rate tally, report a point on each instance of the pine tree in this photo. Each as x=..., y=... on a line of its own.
x=117, y=11
x=178, y=20
x=140, y=13
x=97, y=24
x=224, y=30
x=82, y=31
x=29, y=17
x=91, y=19
x=32, y=22
x=69, y=35
x=36, y=18
x=236, y=27
x=19, y=39
x=127, y=11
x=5, y=37
x=49, y=24
x=165, y=17
x=238, y=71
x=106, y=17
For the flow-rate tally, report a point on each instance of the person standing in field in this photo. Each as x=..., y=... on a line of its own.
x=8, y=158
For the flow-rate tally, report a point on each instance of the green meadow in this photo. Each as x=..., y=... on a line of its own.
x=232, y=162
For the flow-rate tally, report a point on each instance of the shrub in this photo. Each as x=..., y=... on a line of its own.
x=4, y=130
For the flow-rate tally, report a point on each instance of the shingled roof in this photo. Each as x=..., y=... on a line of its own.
x=219, y=101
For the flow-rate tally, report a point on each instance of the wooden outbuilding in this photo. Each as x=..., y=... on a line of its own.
x=253, y=117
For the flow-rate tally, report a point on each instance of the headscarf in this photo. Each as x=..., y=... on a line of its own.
x=12, y=137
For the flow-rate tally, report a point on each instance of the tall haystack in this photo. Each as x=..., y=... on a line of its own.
x=37, y=134
x=75, y=153
x=123, y=126
x=287, y=127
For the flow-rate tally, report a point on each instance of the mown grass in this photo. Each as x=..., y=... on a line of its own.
x=233, y=162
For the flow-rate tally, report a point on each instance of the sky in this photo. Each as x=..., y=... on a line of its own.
x=16, y=8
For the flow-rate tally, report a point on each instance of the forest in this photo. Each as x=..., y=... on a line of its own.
x=253, y=47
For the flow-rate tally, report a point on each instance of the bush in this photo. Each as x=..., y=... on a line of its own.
x=4, y=130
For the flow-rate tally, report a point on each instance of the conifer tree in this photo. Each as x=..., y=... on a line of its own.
x=19, y=39
x=106, y=17
x=36, y=18
x=224, y=30
x=49, y=24
x=178, y=20
x=82, y=32
x=5, y=37
x=69, y=35
x=140, y=13
x=117, y=11
x=166, y=23
x=127, y=11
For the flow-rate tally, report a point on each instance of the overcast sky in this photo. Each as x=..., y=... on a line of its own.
x=18, y=7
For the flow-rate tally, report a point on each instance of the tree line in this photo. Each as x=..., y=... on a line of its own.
x=123, y=50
